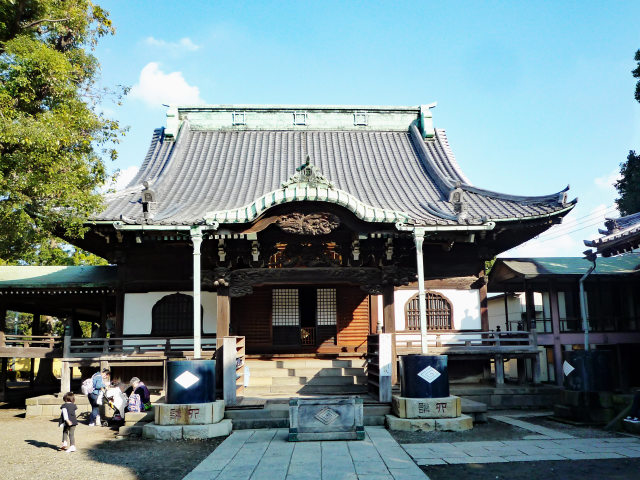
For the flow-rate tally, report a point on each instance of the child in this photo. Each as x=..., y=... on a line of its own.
x=68, y=421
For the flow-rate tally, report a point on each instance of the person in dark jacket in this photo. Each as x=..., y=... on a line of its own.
x=68, y=422
x=141, y=389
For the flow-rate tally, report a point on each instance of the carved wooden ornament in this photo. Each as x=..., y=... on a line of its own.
x=308, y=224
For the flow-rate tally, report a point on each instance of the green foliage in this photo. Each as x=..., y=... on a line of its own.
x=488, y=265
x=53, y=138
x=629, y=185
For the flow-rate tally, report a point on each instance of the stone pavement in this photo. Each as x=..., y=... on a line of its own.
x=546, y=444
x=266, y=454
x=523, y=450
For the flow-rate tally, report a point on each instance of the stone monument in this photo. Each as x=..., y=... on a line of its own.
x=326, y=418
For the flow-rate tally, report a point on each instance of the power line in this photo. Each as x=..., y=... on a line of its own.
x=568, y=231
x=570, y=227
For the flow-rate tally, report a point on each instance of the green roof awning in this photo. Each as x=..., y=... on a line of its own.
x=514, y=270
x=28, y=277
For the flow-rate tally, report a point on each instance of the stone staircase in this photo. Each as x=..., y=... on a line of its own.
x=306, y=376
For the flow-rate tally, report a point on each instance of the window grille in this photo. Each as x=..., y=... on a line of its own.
x=438, y=312
x=286, y=310
x=172, y=315
x=326, y=310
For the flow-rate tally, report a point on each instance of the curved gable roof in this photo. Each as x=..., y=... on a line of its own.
x=232, y=175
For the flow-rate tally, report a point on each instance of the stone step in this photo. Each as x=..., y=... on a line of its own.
x=271, y=417
x=307, y=363
x=351, y=380
x=306, y=372
x=306, y=389
x=327, y=372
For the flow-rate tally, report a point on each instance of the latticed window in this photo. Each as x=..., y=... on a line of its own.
x=327, y=311
x=173, y=316
x=438, y=310
x=286, y=310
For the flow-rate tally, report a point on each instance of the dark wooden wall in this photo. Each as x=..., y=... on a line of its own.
x=251, y=318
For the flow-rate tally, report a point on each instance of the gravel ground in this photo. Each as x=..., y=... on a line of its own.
x=492, y=430
x=29, y=450
x=575, y=430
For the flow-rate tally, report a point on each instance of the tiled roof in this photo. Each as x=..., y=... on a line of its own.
x=621, y=235
x=233, y=175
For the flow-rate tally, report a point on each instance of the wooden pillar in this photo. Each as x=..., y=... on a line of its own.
x=389, y=326
x=484, y=306
x=507, y=327
x=65, y=380
x=35, y=330
x=3, y=318
x=3, y=379
x=530, y=308
x=499, y=361
x=535, y=369
x=224, y=315
x=555, y=327
x=119, y=323
x=103, y=318
x=522, y=371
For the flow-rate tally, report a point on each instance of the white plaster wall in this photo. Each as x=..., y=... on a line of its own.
x=496, y=311
x=465, y=303
x=137, y=311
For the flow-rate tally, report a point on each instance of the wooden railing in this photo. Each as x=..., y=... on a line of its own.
x=30, y=341
x=490, y=341
x=134, y=345
x=307, y=335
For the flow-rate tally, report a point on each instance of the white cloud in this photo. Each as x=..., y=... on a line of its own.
x=156, y=87
x=607, y=182
x=182, y=44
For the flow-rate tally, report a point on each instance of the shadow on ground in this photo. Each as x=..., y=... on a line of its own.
x=39, y=444
x=618, y=469
x=152, y=459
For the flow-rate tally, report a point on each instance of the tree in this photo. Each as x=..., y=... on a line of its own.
x=629, y=185
x=53, y=137
x=636, y=74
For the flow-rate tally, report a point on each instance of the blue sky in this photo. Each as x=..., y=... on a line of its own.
x=533, y=95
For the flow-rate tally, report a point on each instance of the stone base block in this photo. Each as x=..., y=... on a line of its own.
x=586, y=399
x=202, y=432
x=138, y=418
x=182, y=414
x=410, y=424
x=446, y=407
x=132, y=431
x=459, y=424
x=34, y=411
x=631, y=427
x=217, y=411
x=162, y=432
